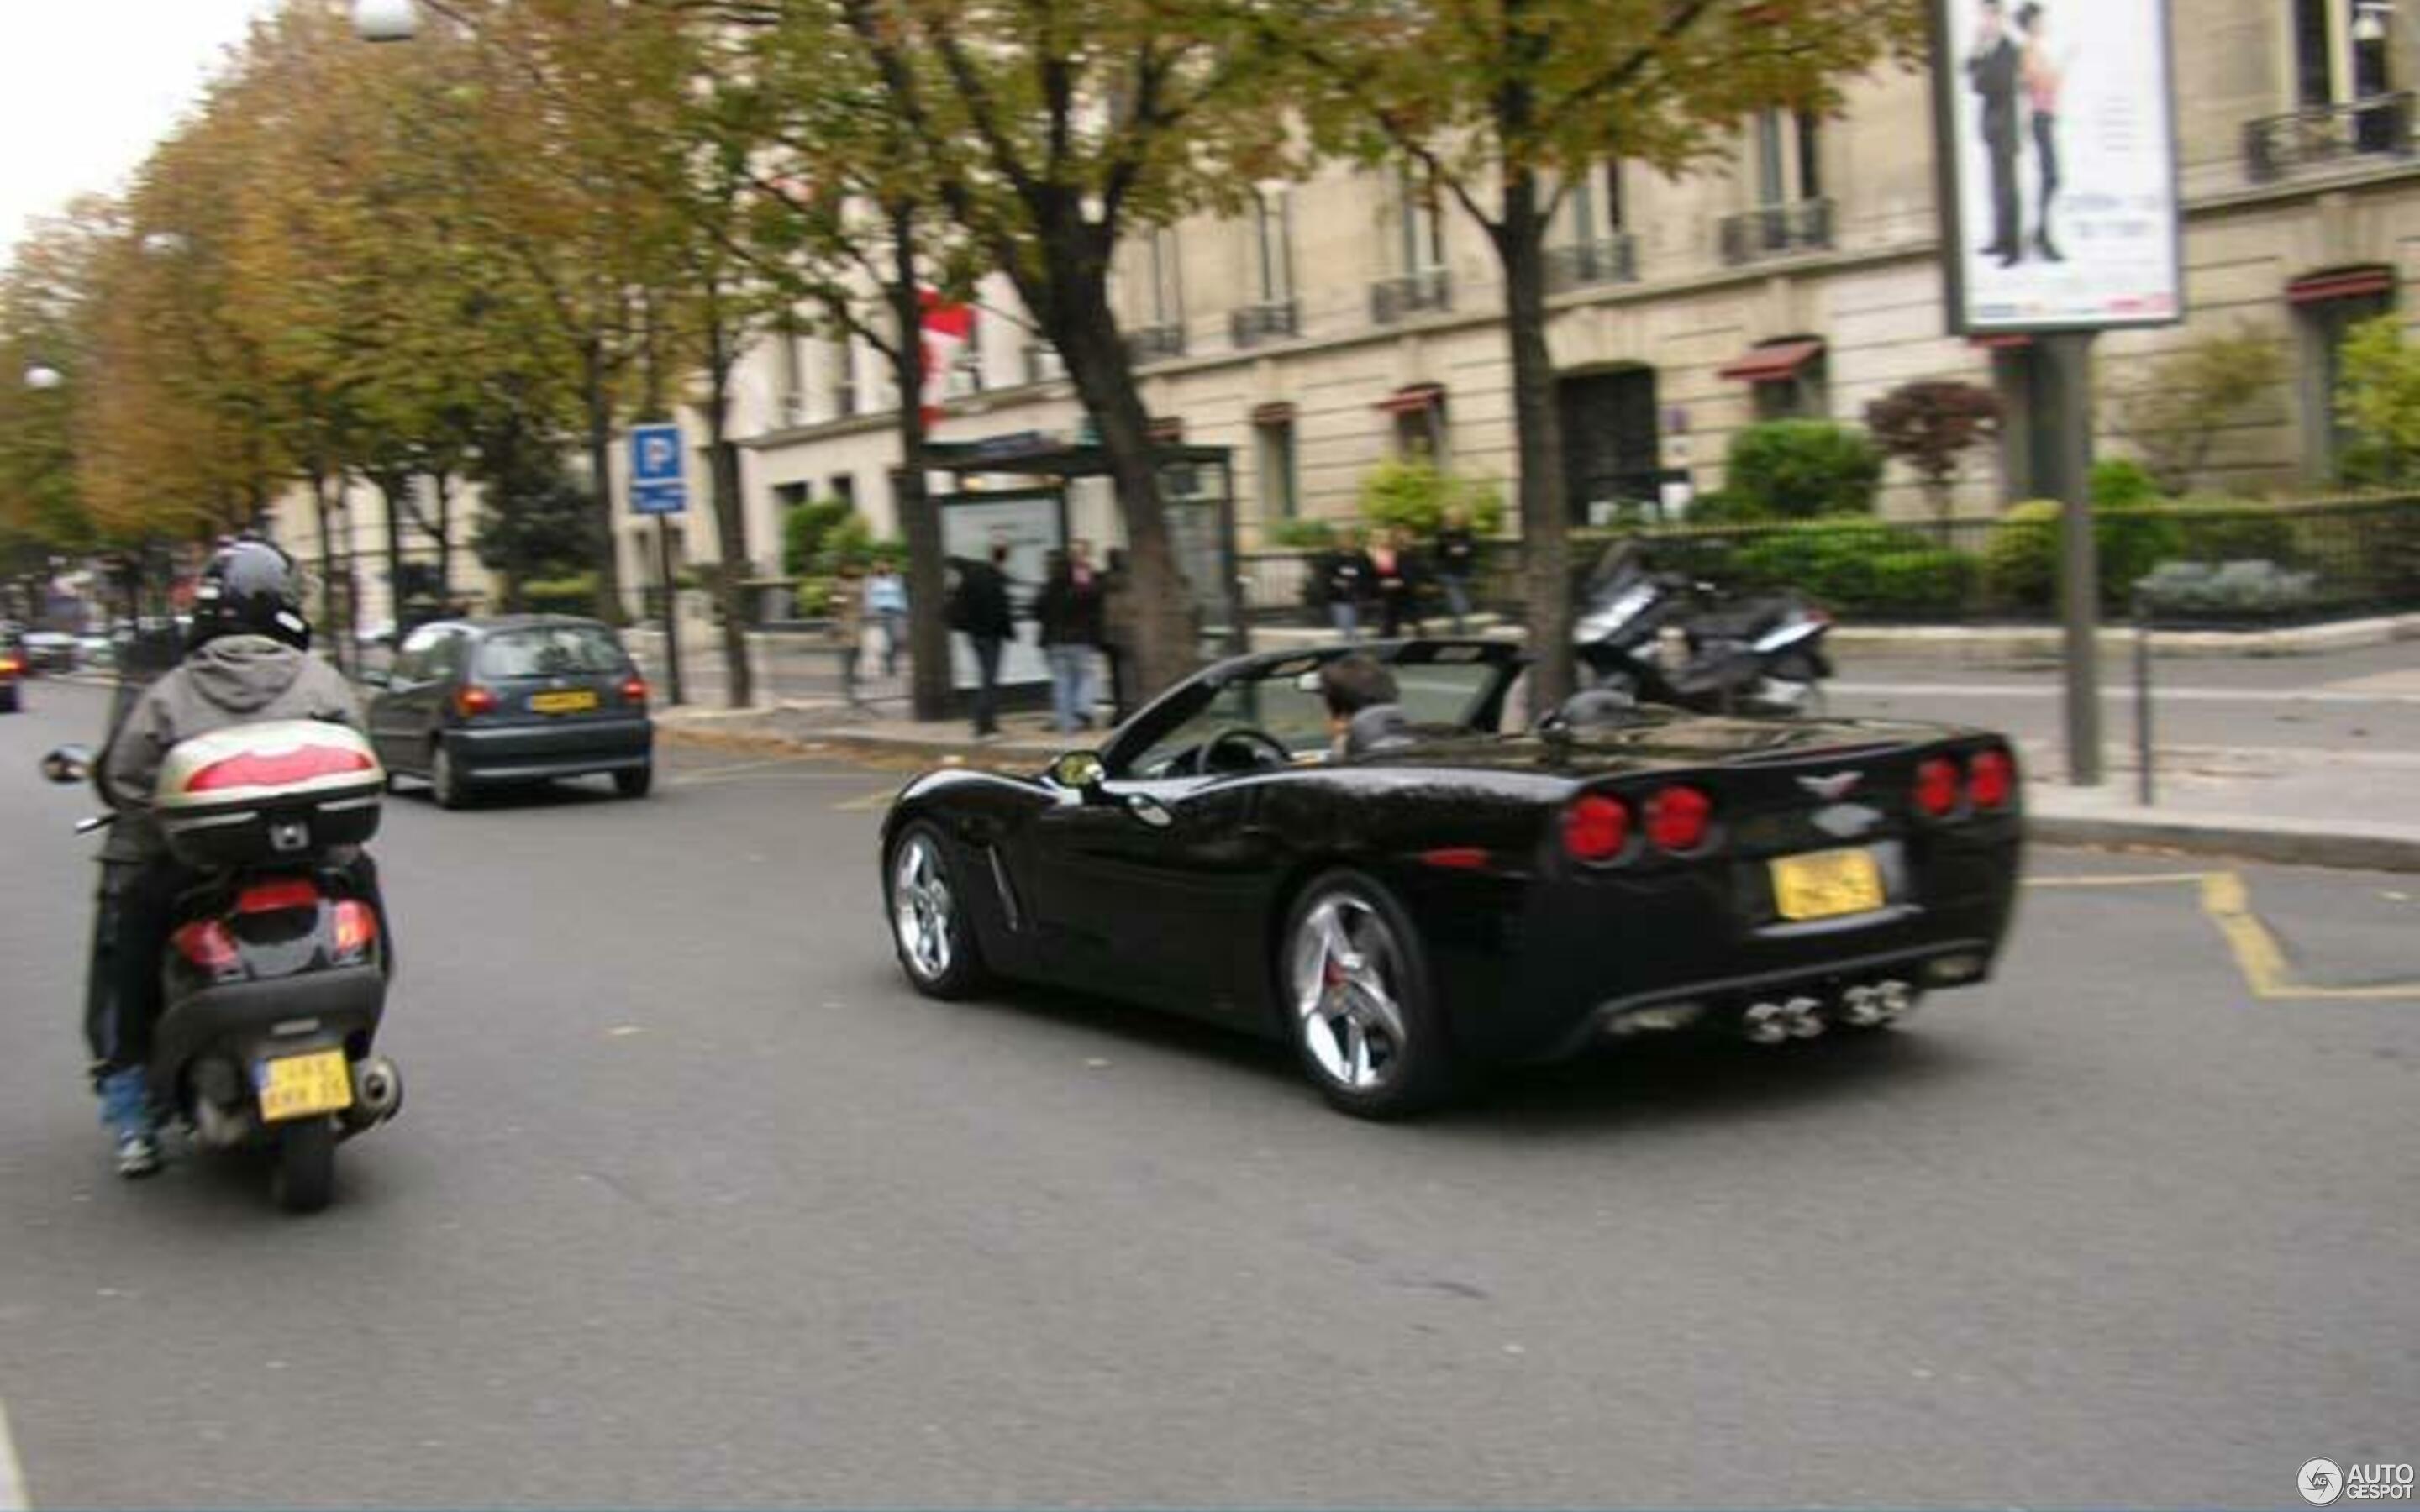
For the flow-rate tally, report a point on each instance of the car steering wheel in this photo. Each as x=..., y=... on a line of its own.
x=1244, y=749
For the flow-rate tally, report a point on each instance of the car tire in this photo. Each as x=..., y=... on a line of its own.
x=635, y=783
x=446, y=781
x=1359, y=1004
x=929, y=926
x=303, y=1177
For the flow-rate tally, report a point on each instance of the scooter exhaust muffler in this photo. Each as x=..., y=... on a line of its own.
x=378, y=1093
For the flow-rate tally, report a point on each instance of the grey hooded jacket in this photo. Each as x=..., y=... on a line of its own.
x=235, y=679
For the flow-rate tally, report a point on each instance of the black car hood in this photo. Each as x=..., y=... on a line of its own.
x=1661, y=739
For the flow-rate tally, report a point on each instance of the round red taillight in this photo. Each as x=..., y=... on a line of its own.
x=1991, y=779
x=1936, y=787
x=1678, y=819
x=1595, y=828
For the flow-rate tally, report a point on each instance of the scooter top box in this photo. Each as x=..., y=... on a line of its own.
x=264, y=795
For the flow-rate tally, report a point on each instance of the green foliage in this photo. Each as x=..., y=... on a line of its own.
x=1303, y=535
x=804, y=528
x=1861, y=564
x=2021, y=559
x=1414, y=495
x=2120, y=482
x=2231, y=530
x=1931, y=425
x=2177, y=404
x=2379, y=402
x=537, y=521
x=573, y=594
x=815, y=597
x=1799, y=469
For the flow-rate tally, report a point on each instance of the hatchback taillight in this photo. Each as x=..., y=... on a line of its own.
x=472, y=700
x=1936, y=787
x=1595, y=829
x=1991, y=779
x=635, y=690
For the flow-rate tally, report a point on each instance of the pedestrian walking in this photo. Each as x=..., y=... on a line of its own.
x=1457, y=561
x=1394, y=581
x=1344, y=577
x=1068, y=609
x=1118, y=635
x=979, y=609
x=847, y=604
x=886, y=609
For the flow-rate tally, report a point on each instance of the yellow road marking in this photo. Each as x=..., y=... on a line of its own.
x=2227, y=903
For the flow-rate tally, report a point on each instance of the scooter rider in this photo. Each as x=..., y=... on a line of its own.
x=247, y=661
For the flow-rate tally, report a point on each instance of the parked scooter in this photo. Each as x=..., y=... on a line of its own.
x=275, y=973
x=1664, y=639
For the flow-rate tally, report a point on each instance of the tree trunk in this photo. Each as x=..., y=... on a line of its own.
x=444, y=542
x=391, y=492
x=730, y=517
x=1164, y=621
x=1545, y=511
x=603, y=551
x=919, y=521
x=334, y=593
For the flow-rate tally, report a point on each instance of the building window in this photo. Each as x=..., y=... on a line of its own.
x=789, y=496
x=1612, y=445
x=1167, y=286
x=793, y=376
x=966, y=374
x=2327, y=308
x=1419, y=422
x=1273, y=244
x=1786, y=378
x=1273, y=442
x=843, y=489
x=2341, y=50
x=1789, y=157
x=1420, y=231
x=847, y=396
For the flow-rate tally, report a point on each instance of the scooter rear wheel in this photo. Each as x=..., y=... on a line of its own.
x=304, y=1178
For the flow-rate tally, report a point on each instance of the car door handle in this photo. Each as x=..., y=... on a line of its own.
x=1149, y=809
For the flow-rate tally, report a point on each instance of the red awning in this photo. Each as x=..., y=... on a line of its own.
x=1413, y=397
x=2002, y=340
x=1774, y=362
x=1168, y=429
x=2344, y=284
x=1279, y=413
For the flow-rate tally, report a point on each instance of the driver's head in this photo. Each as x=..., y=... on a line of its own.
x=1352, y=683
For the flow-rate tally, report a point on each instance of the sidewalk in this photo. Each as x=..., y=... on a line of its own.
x=2319, y=807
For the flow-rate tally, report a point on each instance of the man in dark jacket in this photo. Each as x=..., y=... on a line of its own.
x=1069, y=612
x=980, y=610
x=247, y=664
x=1346, y=580
x=1995, y=68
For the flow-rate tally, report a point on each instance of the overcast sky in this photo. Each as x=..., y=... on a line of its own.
x=87, y=85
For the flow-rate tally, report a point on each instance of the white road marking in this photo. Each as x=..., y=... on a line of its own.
x=2113, y=691
x=13, y=1496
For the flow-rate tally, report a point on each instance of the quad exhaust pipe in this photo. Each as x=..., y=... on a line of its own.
x=1803, y=1018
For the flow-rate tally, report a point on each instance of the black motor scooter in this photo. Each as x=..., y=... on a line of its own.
x=1662, y=638
x=275, y=974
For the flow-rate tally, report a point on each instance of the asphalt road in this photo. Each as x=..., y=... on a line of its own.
x=692, y=1203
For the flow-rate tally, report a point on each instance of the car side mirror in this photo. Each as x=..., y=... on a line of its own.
x=67, y=764
x=1079, y=771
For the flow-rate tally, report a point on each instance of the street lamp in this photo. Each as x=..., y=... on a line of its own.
x=2370, y=19
x=386, y=21
x=42, y=378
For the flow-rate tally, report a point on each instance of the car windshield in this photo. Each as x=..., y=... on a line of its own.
x=1284, y=703
x=549, y=651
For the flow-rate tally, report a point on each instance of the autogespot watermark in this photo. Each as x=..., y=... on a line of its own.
x=2323, y=1482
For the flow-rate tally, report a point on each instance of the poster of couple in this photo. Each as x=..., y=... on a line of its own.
x=2061, y=189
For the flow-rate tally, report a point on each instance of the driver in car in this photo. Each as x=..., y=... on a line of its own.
x=1362, y=712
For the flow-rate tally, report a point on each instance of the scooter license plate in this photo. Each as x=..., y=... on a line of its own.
x=300, y=1086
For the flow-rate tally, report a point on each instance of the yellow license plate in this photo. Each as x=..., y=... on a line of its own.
x=299, y=1087
x=562, y=702
x=1827, y=884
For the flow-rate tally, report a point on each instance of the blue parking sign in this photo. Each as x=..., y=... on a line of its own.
x=656, y=486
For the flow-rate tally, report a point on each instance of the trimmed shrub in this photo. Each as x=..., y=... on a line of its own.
x=2121, y=483
x=575, y=594
x=1851, y=564
x=2021, y=559
x=1303, y=535
x=803, y=530
x=1413, y=495
x=1799, y=469
x=2230, y=530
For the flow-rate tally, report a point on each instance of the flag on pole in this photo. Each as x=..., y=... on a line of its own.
x=948, y=327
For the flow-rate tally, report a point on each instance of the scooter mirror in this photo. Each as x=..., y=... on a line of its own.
x=67, y=764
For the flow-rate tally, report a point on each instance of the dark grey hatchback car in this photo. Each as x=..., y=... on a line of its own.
x=524, y=697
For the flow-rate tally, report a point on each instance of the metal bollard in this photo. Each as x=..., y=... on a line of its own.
x=2143, y=746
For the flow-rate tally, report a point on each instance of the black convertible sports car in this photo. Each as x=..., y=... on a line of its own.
x=1441, y=894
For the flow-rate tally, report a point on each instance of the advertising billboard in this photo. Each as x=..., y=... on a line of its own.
x=2057, y=146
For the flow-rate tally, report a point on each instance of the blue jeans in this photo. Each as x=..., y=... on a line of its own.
x=1071, y=685
x=1347, y=618
x=1457, y=599
x=895, y=636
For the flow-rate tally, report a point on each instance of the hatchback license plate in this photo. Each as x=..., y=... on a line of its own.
x=562, y=702
x=1827, y=884
x=299, y=1087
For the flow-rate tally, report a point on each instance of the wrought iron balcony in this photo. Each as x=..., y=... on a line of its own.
x=1256, y=323
x=1392, y=299
x=1613, y=260
x=1776, y=231
x=1155, y=343
x=2379, y=126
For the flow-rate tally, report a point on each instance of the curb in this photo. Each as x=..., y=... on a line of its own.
x=2358, y=850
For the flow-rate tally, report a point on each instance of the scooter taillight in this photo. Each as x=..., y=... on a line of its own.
x=356, y=929
x=208, y=945
x=278, y=896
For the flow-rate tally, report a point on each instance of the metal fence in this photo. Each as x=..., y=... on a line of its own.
x=2215, y=565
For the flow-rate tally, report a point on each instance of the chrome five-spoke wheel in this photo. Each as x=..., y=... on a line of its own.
x=927, y=918
x=1357, y=998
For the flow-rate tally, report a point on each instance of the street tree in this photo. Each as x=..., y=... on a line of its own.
x=1500, y=105
x=2177, y=404
x=1931, y=425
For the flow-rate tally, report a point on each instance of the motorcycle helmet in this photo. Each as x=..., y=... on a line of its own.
x=250, y=588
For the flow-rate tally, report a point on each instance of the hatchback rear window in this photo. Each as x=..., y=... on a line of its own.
x=554, y=651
